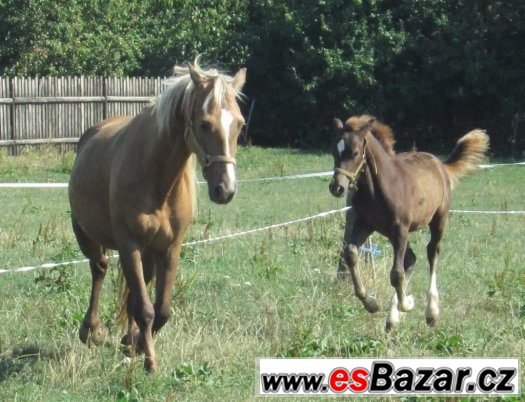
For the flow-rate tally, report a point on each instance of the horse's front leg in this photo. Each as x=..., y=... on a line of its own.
x=358, y=236
x=342, y=270
x=167, y=264
x=397, y=274
x=143, y=312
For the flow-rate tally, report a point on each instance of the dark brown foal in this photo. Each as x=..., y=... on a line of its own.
x=396, y=194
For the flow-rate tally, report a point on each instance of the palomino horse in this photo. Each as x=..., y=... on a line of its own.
x=132, y=189
x=396, y=194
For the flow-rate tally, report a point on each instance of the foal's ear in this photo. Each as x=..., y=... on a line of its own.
x=239, y=79
x=337, y=124
x=366, y=128
x=194, y=74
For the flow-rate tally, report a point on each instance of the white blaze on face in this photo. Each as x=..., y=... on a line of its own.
x=226, y=121
x=341, y=147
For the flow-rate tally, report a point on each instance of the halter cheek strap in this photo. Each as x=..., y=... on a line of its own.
x=354, y=176
x=205, y=159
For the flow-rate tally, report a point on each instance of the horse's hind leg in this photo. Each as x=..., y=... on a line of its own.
x=358, y=236
x=92, y=331
x=437, y=228
x=394, y=315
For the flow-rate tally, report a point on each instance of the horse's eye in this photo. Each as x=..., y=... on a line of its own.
x=206, y=126
x=356, y=153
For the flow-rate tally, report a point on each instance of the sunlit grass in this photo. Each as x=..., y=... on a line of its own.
x=263, y=295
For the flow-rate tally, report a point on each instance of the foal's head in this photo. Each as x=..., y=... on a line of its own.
x=349, y=152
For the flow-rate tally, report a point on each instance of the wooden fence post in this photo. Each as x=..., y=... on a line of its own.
x=12, y=115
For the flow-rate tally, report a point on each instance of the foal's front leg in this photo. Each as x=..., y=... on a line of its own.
x=358, y=236
x=397, y=274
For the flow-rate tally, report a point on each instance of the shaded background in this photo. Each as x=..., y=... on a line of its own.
x=432, y=69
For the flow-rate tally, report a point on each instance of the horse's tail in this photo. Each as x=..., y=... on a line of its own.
x=122, y=300
x=469, y=153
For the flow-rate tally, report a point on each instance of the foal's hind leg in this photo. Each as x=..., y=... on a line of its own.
x=358, y=236
x=397, y=274
x=92, y=331
x=437, y=228
x=394, y=315
x=343, y=270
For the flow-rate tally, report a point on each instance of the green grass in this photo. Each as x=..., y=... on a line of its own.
x=263, y=295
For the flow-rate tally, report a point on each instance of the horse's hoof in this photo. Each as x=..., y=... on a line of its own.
x=432, y=321
x=408, y=304
x=151, y=365
x=371, y=304
x=92, y=336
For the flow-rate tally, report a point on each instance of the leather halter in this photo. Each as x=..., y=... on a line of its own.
x=354, y=176
x=205, y=159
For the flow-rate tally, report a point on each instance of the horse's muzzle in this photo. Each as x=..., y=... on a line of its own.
x=221, y=194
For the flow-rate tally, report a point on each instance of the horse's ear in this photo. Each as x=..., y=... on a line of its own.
x=194, y=74
x=239, y=79
x=337, y=124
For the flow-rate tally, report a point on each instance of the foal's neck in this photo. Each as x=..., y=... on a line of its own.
x=380, y=169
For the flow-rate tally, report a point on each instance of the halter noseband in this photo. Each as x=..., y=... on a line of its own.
x=354, y=176
x=205, y=159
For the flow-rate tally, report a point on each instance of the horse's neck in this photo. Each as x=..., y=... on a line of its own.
x=380, y=168
x=169, y=156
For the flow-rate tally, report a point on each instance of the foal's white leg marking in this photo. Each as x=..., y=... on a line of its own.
x=394, y=315
x=432, y=311
x=341, y=147
x=226, y=122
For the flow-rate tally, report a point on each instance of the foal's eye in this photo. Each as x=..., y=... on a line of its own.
x=356, y=153
x=206, y=126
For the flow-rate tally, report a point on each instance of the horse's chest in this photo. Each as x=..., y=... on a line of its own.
x=160, y=230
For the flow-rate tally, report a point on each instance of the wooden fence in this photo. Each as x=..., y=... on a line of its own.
x=57, y=110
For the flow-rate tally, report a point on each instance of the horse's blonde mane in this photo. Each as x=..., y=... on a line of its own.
x=177, y=95
x=382, y=132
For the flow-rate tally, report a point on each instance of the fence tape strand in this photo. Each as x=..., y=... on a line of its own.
x=251, y=231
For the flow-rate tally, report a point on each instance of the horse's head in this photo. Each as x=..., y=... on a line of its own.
x=214, y=127
x=349, y=152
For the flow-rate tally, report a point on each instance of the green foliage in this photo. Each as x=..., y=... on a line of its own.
x=432, y=68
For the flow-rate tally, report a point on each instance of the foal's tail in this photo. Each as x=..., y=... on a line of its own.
x=469, y=153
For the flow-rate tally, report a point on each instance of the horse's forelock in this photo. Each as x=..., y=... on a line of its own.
x=178, y=94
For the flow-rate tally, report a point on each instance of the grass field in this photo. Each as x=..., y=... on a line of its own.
x=272, y=294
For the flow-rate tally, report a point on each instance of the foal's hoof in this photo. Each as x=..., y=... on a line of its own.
x=391, y=325
x=408, y=304
x=131, y=343
x=432, y=321
x=371, y=304
x=151, y=365
x=92, y=336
